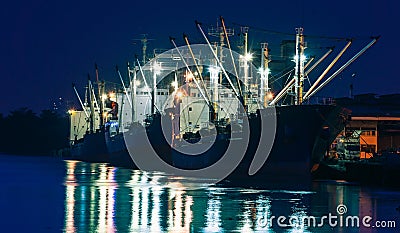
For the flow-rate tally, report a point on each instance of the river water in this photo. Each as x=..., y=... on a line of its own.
x=52, y=195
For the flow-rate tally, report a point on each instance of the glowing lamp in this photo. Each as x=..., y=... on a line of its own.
x=179, y=94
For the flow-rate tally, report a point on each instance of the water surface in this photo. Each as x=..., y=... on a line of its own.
x=51, y=195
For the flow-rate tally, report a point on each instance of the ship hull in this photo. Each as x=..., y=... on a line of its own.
x=91, y=149
x=138, y=141
x=303, y=135
x=118, y=153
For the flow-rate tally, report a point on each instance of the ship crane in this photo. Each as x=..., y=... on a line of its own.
x=132, y=81
x=147, y=86
x=218, y=61
x=327, y=69
x=100, y=86
x=92, y=100
x=374, y=40
x=190, y=71
x=291, y=83
x=318, y=62
x=80, y=101
x=212, y=109
x=315, y=88
x=264, y=72
x=123, y=85
x=185, y=37
x=231, y=54
x=298, y=80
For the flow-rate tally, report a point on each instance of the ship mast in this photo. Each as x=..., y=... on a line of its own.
x=133, y=90
x=246, y=58
x=227, y=34
x=144, y=41
x=100, y=86
x=215, y=74
x=145, y=84
x=299, y=70
x=264, y=70
x=91, y=102
x=156, y=70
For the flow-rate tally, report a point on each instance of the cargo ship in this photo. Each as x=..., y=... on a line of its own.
x=207, y=106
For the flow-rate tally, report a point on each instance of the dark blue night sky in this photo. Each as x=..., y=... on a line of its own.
x=46, y=45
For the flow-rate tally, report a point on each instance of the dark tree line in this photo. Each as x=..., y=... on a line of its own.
x=24, y=132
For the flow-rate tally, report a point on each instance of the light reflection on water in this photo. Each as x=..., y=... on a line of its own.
x=100, y=198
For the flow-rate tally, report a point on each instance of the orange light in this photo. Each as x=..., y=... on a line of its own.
x=270, y=95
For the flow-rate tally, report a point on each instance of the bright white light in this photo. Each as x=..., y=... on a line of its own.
x=112, y=96
x=157, y=67
x=189, y=76
x=104, y=97
x=137, y=82
x=214, y=70
x=71, y=111
x=174, y=84
x=248, y=57
x=264, y=71
x=179, y=94
x=302, y=58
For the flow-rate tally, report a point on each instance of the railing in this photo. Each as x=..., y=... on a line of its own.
x=323, y=100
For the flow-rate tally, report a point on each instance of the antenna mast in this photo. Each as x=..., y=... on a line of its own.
x=299, y=70
x=220, y=32
x=145, y=42
x=264, y=87
x=246, y=58
x=144, y=47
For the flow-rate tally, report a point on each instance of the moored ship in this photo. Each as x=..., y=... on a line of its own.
x=207, y=114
